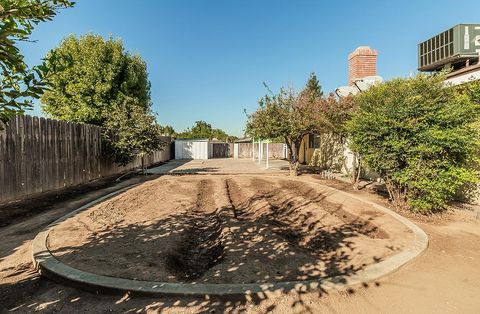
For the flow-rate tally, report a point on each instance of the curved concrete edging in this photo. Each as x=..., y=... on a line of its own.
x=49, y=266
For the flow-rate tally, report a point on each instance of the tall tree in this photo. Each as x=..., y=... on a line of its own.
x=19, y=84
x=92, y=80
x=90, y=77
x=313, y=86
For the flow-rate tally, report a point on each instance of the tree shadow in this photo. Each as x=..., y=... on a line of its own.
x=257, y=239
x=195, y=170
x=278, y=243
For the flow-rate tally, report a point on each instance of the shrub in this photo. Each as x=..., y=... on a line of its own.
x=420, y=136
x=131, y=133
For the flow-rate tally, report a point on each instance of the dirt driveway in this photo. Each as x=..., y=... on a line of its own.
x=445, y=279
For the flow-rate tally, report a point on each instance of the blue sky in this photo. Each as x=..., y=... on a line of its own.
x=207, y=59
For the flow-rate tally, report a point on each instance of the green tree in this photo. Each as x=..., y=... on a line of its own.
x=202, y=129
x=130, y=132
x=90, y=77
x=92, y=80
x=421, y=137
x=313, y=86
x=168, y=130
x=289, y=115
x=19, y=84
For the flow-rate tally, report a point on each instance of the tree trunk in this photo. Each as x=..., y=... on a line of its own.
x=294, y=148
x=294, y=168
x=356, y=170
x=397, y=193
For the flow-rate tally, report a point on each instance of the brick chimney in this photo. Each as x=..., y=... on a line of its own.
x=361, y=63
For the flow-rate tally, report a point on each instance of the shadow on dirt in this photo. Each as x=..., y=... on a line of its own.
x=232, y=244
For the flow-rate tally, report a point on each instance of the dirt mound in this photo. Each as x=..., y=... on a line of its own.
x=226, y=229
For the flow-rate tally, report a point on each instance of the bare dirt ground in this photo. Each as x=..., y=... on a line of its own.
x=445, y=279
x=227, y=229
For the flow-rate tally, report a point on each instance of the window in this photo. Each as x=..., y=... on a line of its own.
x=313, y=141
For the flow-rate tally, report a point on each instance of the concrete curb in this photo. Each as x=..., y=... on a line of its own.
x=49, y=266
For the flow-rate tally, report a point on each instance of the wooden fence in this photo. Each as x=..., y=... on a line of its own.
x=39, y=155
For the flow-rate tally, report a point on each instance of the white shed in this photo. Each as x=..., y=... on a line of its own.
x=192, y=149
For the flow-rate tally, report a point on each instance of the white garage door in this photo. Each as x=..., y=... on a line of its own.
x=185, y=149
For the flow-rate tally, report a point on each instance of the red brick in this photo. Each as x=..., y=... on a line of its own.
x=362, y=62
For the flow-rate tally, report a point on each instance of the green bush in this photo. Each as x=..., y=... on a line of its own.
x=420, y=136
x=131, y=133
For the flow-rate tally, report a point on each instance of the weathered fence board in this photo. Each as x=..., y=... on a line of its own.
x=39, y=155
x=221, y=150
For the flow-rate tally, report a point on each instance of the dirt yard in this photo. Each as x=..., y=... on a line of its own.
x=445, y=279
x=225, y=229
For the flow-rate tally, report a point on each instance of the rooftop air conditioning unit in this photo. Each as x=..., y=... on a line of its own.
x=456, y=45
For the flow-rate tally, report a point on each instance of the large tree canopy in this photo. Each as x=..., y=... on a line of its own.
x=420, y=136
x=19, y=84
x=92, y=80
x=90, y=77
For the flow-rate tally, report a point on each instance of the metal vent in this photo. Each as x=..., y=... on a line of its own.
x=459, y=43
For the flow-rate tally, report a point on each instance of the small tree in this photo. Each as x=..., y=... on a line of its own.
x=421, y=137
x=18, y=83
x=289, y=115
x=132, y=133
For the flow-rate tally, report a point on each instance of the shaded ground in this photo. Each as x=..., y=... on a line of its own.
x=16, y=211
x=225, y=229
x=446, y=279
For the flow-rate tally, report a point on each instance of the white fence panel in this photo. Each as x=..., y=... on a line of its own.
x=190, y=149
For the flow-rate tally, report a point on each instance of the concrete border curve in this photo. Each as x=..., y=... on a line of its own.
x=49, y=266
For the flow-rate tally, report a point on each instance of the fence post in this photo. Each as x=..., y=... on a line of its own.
x=253, y=148
x=267, y=155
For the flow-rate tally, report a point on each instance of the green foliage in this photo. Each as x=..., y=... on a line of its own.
x=90, y=77
x=19, y=84
x=168, y=131
x=421, y=137
x=313, y=86
x=131, y=133
x=92, y=80
x=202, y=129
x=289, y=115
